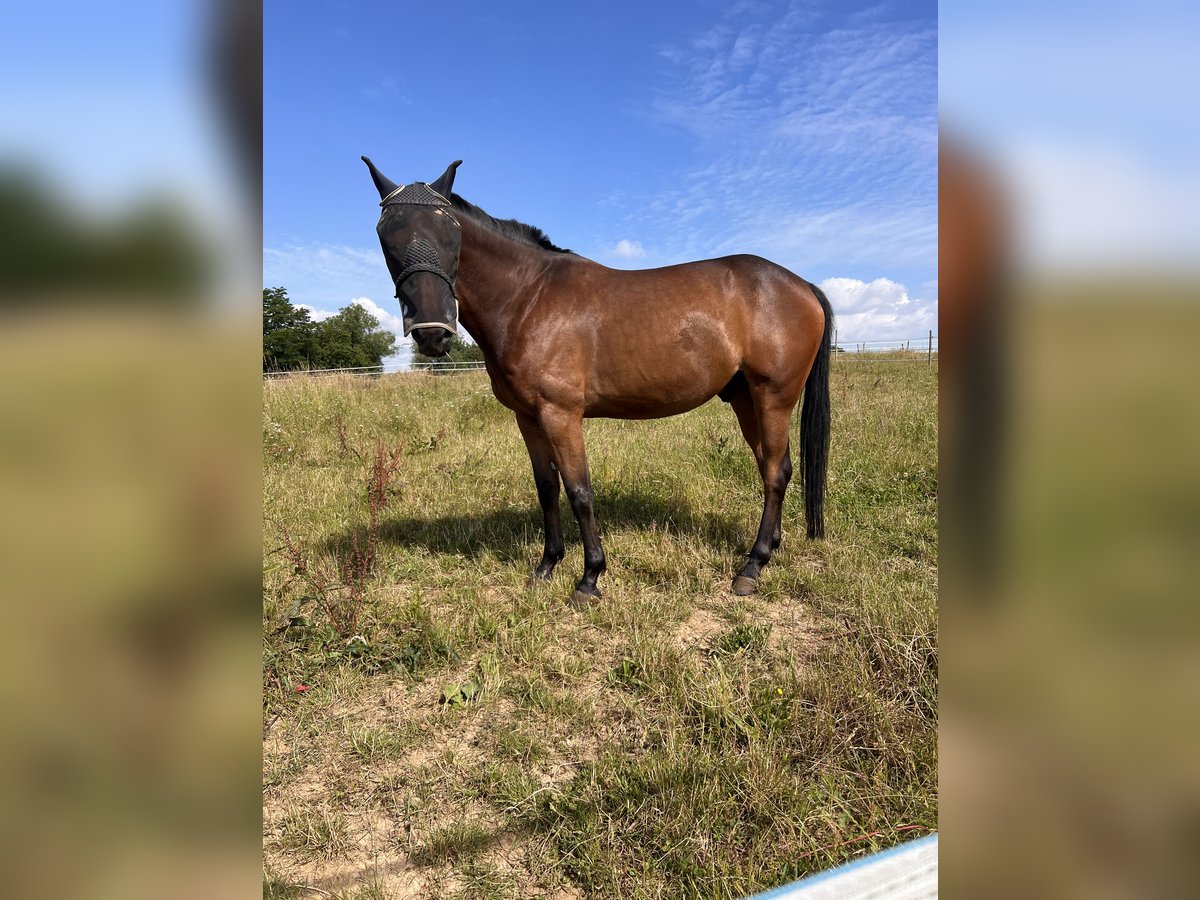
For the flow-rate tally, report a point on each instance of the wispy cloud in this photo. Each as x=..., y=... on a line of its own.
x=801, y=75
x=387, y=88
x=325, y=276
x=819, y=139
x=627, y=249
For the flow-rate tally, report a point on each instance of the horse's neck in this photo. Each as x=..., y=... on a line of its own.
x=496, y=275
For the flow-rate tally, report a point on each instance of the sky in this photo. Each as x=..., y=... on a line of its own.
x=81, y=99
x=637, y=134
x=113, y=103
x=1094, y=132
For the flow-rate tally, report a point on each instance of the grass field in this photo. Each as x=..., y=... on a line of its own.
x=435, y=727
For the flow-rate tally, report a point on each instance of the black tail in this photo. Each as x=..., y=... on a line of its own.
x=814, y=427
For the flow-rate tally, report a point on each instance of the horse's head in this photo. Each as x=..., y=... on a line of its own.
x=421, y=239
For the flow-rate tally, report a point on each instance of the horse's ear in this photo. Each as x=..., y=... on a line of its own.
x=445, y=184
x=384, y=184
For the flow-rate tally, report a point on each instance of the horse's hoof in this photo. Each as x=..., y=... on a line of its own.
x=581, y=601
x=743, y=586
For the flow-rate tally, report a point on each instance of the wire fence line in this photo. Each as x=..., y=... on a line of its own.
x=435, y=366
x=910, y=350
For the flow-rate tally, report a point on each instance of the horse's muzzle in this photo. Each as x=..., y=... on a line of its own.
x=432, y=342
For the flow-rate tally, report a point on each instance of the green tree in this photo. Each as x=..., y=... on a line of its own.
x=352, y=339
x=289, y=336
x=150, y=252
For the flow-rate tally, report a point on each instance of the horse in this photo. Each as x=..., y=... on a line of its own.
x=565, y=338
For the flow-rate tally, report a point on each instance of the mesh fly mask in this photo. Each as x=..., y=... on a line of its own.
x=422, y=256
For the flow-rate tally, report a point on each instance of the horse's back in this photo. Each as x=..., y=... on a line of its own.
x=742, y=312
x=648, y=343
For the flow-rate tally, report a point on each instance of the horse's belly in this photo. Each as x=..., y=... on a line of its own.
x=640, y=410
x=656, y=393
x=657, y=373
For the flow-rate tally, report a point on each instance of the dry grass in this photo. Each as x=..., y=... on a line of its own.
x=474, y=737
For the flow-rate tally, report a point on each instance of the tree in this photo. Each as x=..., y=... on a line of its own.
x=150, y=252
x=291, y=340
x=289, y=336
x=352, y=339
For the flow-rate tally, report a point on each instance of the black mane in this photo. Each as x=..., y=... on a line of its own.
x=527, y=234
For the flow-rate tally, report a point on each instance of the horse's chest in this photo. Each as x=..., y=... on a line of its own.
x=505, y=391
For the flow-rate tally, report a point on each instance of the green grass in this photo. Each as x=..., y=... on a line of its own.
x=313, y=833
x=744, y=638
x=478, y=735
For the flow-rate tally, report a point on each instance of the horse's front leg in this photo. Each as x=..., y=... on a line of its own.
x=564, y=428
x=545, y=476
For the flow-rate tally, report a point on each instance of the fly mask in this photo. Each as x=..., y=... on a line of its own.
x=422, y=256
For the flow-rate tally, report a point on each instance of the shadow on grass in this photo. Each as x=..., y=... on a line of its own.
x=507, y=533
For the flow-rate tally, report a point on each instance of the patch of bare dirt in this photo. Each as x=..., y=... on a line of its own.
x=795, y=628
x=699, y=629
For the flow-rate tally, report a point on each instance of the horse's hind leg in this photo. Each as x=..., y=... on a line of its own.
x=773, y=416
x=545, y=476
x=743, y=407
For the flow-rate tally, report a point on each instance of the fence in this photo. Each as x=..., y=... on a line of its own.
x=436, y=367
x=909, y=350
x=440, y=368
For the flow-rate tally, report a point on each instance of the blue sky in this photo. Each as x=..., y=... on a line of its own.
x=637, y=134
x=112, y=101
x=1094, y=133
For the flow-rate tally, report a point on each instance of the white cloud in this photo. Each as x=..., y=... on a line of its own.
x=324, y=276
x=388, y=320
x=851, y=295
x=626, y=249
x=1087, y=206
x=879, y=310
x=402, y=358
x=317, y=315
x=395, y=324
x=855, y=235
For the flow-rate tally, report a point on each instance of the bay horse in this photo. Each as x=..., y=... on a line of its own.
x=565, y=338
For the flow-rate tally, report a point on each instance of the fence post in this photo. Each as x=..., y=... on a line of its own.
x=929, y=357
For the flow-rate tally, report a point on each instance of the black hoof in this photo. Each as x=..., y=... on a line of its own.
x=581, y=600
x=540, y=577
x=743, y=586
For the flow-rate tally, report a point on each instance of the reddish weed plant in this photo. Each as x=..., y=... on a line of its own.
x=339, y=589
